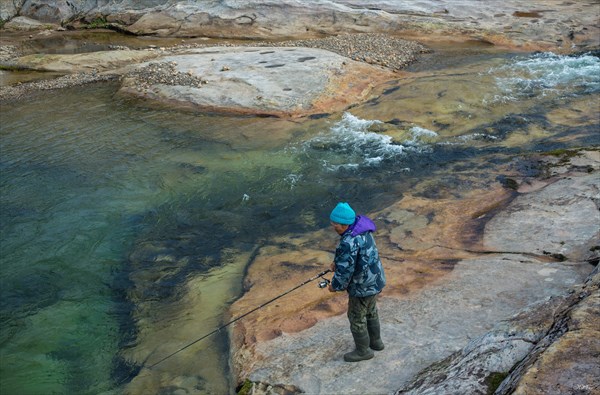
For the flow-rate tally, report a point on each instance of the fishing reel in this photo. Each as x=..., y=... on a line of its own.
x=323, y=283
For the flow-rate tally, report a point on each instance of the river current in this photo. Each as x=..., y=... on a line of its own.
x=126, y=230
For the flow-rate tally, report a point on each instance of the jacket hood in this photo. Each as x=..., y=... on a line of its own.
x=361, y=225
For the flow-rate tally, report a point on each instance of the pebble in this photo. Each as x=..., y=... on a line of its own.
x=164, y=73
x=8, y=52
x=13, y=92
x=373, y=48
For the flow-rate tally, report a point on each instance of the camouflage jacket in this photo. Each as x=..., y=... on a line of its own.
x=358, y=268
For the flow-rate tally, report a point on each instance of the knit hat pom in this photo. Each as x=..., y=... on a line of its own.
x=343, y=214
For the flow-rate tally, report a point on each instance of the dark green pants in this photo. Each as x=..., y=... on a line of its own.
x=360, y=310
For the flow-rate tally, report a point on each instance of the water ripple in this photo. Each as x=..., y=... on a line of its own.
x=547, y=74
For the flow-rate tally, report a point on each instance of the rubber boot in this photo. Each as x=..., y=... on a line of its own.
x=362, y=352
x=374, y=335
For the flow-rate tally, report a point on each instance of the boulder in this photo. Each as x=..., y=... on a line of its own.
x=9, y=9
x=56, y=11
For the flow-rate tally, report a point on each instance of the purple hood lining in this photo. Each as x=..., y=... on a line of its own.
x=362, y=224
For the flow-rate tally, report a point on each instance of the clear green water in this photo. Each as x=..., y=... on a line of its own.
x=118, y=220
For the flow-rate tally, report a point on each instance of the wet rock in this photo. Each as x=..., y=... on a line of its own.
x=72, y=63
x=558, y=335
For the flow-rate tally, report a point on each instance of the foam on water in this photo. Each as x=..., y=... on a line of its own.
x=547, y=74
x=350, y=144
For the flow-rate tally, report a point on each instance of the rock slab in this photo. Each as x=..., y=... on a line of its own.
x=264, y=81
x=445, y=336
x=550, y=348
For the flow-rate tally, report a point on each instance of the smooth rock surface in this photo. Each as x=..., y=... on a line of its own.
x=267, y=81
x=567, y=365
x=539, y=24
x=445, y=293
x=417, y=330
x=555, y=220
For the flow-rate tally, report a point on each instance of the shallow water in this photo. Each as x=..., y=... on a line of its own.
x=125, y=230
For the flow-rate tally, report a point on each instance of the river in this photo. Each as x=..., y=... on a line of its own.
x=126, y=230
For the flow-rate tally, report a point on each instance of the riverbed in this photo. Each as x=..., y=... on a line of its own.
x=126, y=230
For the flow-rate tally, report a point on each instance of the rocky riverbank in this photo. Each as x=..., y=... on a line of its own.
x=20, y=91
x=565, y=27
x=549, y=348
x=449, y=286
x=163, y=81
x=455, y=267
x=391, y=30
x=539, y=24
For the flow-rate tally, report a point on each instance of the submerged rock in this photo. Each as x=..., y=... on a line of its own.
x=23, y=23
x=73, y=63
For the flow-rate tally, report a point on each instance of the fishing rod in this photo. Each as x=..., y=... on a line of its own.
x=322, y=284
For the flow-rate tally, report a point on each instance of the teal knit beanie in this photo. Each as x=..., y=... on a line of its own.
x=343, y=214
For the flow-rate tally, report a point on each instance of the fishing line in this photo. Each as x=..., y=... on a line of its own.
x=236, y=319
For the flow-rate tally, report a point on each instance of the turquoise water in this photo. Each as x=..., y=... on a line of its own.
x=114, y=214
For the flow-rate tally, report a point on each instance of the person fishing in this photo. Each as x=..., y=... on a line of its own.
x=358, y=270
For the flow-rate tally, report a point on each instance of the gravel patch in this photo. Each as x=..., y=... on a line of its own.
x=8, y=52
x=164, y=73
x=20, y=91
x=372, y=48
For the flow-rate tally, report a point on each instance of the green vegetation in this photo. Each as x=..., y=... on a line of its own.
x=494, y=380
x=246, y=388
x=98, y=23
x=563, y=153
